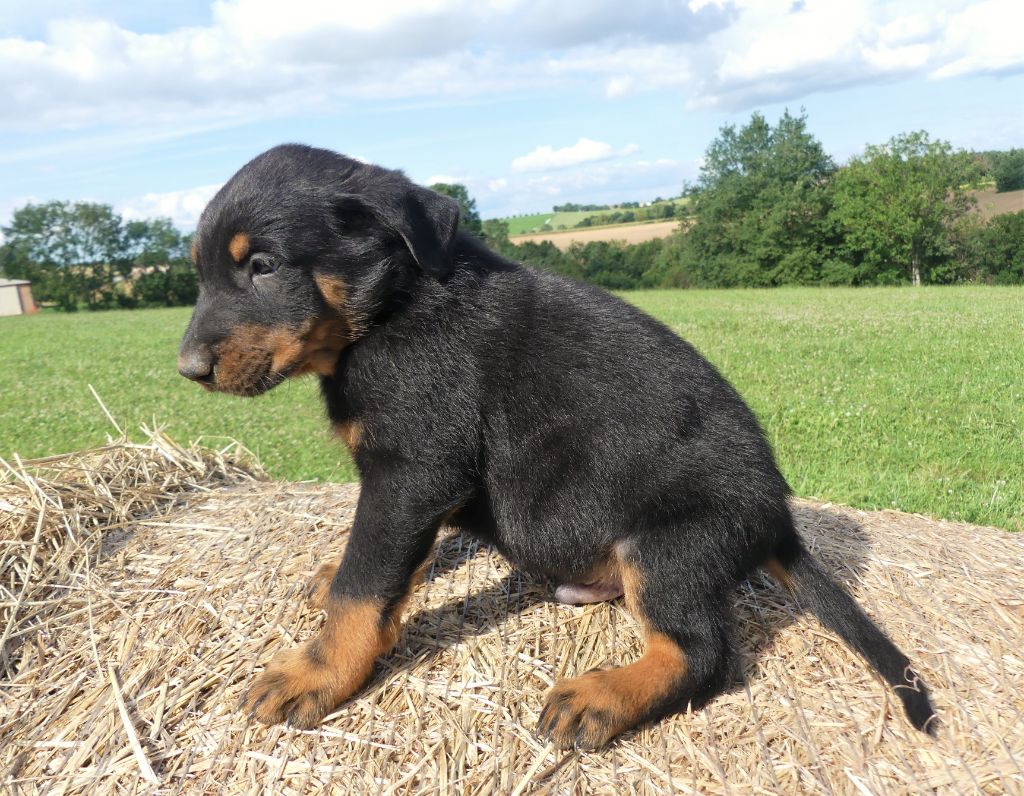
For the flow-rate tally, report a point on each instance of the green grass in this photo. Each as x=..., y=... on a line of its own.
x=129, y=358
x=533, y=222
x=524, y=225
x=876, y=397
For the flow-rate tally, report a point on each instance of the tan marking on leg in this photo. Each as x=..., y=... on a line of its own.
x=320, y=584
x=632, y=584
x=780, y=574
x=239, y=246
x=304, y=684
x=351, y=433
x=590, y=710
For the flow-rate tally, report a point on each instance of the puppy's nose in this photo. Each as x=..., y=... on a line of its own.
x=196, y=364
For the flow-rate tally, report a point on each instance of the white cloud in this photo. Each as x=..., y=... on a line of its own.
x=609, y=181
x=619, y=86
x=182, y=207
x=987, y=37
x=585, y=150
x=776, y=50
x=260, y=58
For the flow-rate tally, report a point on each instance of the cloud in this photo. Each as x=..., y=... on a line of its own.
x=182, y=207
x=619, y=86
x=261, y=58
x=776, y=53
x=778, y=50
x=984, y=38
x=603, y=182
x=585, y=150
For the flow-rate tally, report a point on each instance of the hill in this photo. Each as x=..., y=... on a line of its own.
x=560, y=220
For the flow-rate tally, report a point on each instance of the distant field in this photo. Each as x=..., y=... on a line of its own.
x=523, y=224
x=873, y=397
x=630, y=233
x=991, y=203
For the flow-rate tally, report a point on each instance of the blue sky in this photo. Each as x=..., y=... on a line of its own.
x=151, y=106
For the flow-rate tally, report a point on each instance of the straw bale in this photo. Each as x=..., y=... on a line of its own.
x=131, y=656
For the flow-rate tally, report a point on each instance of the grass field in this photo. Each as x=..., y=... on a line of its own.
x=875, y=397
x=523, y=225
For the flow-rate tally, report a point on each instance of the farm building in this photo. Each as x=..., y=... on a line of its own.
x=16, y=297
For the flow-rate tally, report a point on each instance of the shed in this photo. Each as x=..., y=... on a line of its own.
x=16, y=297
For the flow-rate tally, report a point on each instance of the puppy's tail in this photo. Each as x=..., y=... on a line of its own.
x=799, y=573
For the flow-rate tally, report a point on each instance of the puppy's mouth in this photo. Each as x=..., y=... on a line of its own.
x=256, y=359
x=246, y=386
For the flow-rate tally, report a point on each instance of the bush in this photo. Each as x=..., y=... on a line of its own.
x=173, y=287
x=996, y=249
x=1009, y=171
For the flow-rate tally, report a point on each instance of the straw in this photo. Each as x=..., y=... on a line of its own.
x=144, y=584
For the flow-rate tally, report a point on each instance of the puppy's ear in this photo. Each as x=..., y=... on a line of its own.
x=426, y=221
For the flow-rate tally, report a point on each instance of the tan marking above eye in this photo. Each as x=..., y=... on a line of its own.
x=239, y=246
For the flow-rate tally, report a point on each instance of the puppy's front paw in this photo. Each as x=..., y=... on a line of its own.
x=297, y=687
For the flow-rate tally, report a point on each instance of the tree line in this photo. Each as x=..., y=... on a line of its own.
x=770, y=207
x=83, y=254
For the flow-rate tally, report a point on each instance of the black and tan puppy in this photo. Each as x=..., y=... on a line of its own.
x=582, y=438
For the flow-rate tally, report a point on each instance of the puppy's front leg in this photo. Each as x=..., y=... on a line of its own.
x=390, y=539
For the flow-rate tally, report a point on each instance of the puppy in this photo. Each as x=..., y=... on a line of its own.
x=579, y=436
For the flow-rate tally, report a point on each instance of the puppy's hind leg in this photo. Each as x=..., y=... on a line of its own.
x=687, y=658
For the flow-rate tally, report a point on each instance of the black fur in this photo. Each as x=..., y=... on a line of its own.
x=544, y=415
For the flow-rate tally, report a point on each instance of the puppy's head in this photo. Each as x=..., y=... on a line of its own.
x=297, y=254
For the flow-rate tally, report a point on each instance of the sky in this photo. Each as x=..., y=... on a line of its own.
x=151, y=106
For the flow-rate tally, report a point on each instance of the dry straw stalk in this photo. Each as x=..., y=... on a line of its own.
x=143, y=584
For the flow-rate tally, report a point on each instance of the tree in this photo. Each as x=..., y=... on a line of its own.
x=897, y=206
x=996, y=249
x=761, y=207
x=469, y=217
x=1009, y=171
x=79, y=252
x=495, y=232
x=71, y=249
x=154, y=241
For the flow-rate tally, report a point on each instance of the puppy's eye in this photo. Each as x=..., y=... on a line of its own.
x=262, y=265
